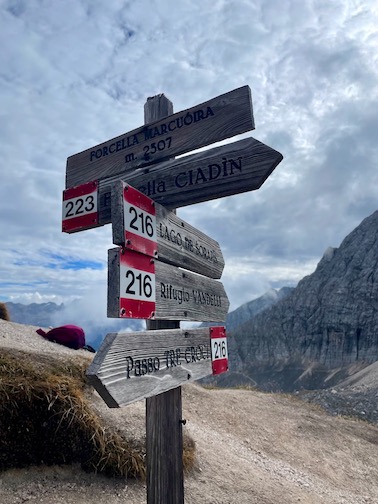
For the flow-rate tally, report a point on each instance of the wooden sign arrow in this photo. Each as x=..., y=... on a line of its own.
x=222, y=171
x=222, y=117
x=136, y=365
x=143, y=288
x=142, y=225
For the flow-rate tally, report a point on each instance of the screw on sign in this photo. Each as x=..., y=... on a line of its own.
x=219, y=351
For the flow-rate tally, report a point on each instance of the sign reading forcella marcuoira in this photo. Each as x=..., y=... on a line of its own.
x=221, y=117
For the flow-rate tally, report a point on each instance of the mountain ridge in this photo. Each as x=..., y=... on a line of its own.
x=51, y=314
x=328, y=322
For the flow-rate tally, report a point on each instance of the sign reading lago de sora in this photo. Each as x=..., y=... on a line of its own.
x=164, y=270
x=142, y=225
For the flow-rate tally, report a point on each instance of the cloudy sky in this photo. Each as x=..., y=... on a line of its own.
x=75, y=73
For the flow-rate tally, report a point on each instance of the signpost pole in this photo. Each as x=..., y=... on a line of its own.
x=164, y=442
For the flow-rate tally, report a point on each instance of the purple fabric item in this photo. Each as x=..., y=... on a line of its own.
x=68, y=335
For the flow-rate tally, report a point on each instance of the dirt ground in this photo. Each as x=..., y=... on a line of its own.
x=252, y=447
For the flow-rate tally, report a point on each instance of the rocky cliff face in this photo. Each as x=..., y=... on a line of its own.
x=327, y=323
x=249, y=310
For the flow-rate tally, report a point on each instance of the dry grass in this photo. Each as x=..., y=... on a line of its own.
x=189, y=453
x=4, y=313
x=45, y=419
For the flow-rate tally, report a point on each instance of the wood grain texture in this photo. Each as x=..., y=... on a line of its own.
x=178, y=243
x=222, y=117
x=164, y=438
x=156, y=108
x=222, y=171
x=132, y=366
x=204, y=299
x=179, y=294
x=164, y=446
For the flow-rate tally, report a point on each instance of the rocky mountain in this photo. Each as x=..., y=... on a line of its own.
x=248, y=310
x=52, y=315
x=310, y=337
x=325, y=329
x=37, y=314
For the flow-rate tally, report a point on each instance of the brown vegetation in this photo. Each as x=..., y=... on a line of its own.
x=47, y=420
x=4, y=313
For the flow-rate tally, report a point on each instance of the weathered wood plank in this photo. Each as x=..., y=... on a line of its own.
x=164, y=448
x=222, y=171
x=222, y=117
x=164, y=439
x=203, y=299
x=171, y=293
x=177, y=242
x=136, y=365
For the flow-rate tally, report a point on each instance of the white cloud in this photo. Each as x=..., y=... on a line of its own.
x=68, y=82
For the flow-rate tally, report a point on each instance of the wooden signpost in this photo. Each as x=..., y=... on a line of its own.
x=141, y=287
x=134, y=182
x=132, y=366
x=144, y=226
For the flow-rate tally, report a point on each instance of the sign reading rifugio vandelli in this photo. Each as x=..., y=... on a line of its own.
x=142, y=287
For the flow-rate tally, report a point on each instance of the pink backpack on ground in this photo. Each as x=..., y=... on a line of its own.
x=70, y=336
